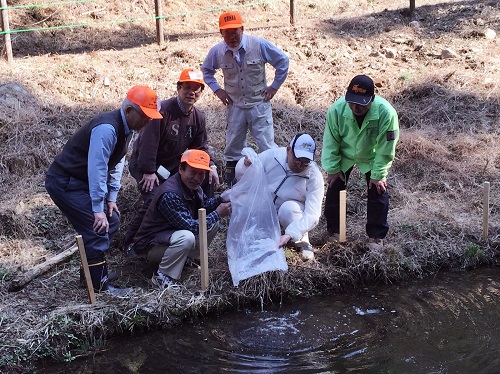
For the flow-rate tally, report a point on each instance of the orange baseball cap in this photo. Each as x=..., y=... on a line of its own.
x=147, y=100
x=192, y=75
x=230, y=20
x=197, y=159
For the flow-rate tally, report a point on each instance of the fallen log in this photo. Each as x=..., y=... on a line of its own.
x=23, y=279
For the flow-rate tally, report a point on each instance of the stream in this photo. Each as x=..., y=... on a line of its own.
x=447, y=323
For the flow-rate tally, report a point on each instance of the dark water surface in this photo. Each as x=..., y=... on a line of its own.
x=449, y=323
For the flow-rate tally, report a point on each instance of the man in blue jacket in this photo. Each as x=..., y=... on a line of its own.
x=84, y=179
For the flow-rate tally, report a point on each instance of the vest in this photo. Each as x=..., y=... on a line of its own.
x=73, y=159
x=245, y=83
x=154, y=228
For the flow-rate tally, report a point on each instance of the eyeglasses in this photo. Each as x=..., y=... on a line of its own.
x=302, y=163
x=195, y=88
x=229, y=32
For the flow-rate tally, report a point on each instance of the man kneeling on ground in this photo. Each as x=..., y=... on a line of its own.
x=169, y=231
x=297, y=187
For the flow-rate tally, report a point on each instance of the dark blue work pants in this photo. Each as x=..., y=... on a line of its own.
x=72, y=197
x=377, y=208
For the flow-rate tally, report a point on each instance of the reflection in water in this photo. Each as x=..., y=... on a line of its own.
x=445, y=324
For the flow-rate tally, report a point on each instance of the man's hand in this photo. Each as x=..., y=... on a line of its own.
x=247, y=162
x=283, y=240
x=112, y=207
x=223, y=96
x=101, y=224
x=380, y=185
x=269, y=93
x=224, y=209
x=331, y=178
x=213, y=178
x=148, y=182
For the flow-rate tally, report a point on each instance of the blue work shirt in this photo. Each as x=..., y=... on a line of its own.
x=270, y=53
x=103, y=184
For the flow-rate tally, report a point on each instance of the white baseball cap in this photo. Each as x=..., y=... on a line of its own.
x=303, y=145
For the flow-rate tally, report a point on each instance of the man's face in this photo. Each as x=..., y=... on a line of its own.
x=297, y=165
x=136, y=119
x=192, y=177
x=232, y=37
x=189, y=93
x=359, y=110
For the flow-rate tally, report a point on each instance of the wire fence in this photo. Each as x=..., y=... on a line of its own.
x=6, y=31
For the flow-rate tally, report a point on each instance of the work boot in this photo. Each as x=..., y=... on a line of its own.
x=163, y=281
x=329, y=237
x=193, y=263
x=100, y=281
x=306, y=251
x=230, y=173
x=375, y=245
x=112, y=275
x=129, y=251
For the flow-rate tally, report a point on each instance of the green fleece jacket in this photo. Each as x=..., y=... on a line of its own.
x=371, y=147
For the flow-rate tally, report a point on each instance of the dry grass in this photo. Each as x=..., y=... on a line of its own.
x=449, y=114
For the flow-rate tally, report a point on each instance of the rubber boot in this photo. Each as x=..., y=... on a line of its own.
x=230, y=173
x=100, y=281
x=112, y=275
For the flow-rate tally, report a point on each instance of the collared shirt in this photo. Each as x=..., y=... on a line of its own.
x=104, y=185
x=182, y=107
x=178, y=215
x=270, y=53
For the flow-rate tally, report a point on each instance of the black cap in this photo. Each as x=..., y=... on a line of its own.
x=360, y=90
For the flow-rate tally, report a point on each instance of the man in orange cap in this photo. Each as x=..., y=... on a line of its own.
x=169, y=232
x=158, y=149
x=242, y=59
x=84, y=178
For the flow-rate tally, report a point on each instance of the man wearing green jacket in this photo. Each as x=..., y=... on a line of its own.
x=361, y=129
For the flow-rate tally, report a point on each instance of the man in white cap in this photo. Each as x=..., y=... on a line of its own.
x=297, y=187
x=361, y=129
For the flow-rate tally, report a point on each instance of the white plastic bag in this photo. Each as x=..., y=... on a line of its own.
x=254, y=231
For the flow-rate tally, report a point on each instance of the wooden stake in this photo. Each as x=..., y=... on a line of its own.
x=343, y=214
x=293, y=14
x=412, y=7
x=159, y=22
x=85, y=265
x=5, y=28
x=486, y=209
x=20, y=281
x=203, y=240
